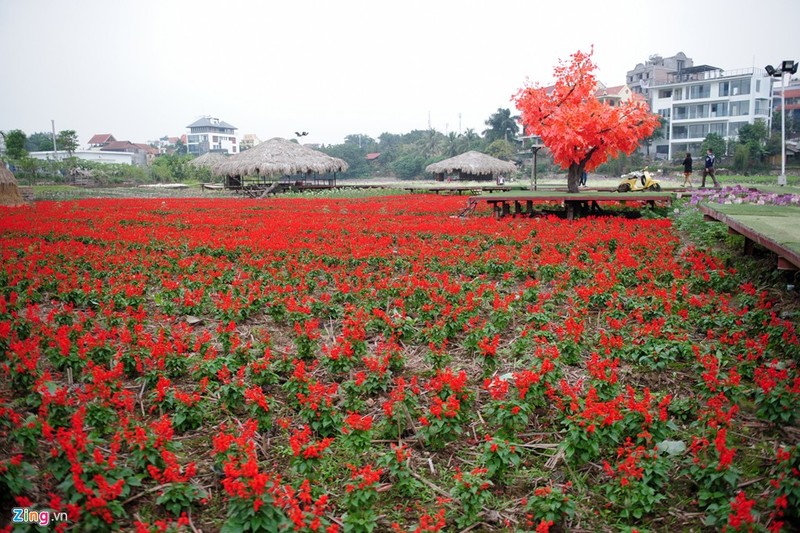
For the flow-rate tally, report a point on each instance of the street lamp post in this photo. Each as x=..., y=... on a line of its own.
x=789, y=66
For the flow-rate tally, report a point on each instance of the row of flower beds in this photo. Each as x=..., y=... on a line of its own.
x=377, y=365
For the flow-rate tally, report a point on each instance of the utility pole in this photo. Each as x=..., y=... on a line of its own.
x=55, y=148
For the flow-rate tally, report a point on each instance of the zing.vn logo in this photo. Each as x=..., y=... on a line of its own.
x=23, y=515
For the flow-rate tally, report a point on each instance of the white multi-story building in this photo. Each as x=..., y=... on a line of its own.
x=655, y=71
x=699, y=100
x=211, y=134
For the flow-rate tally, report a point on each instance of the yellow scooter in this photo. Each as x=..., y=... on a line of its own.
x=640, y=180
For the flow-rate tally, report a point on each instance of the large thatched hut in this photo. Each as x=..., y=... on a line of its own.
x=471, y=166
x=9, y=190
x=280, y=159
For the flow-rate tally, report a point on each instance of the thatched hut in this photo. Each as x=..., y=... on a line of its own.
x=281, y=159
x=208, y=160
x=471, y=166
x=9, y=190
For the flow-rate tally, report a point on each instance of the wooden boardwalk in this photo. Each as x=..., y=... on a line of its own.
x=776, y=228
x=575, y=204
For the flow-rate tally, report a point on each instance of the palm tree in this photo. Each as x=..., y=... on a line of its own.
x=430, y=144
x=471, y=137
x=452, y=145
x=501, y=125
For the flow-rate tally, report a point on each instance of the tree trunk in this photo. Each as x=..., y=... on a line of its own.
x=574, y=177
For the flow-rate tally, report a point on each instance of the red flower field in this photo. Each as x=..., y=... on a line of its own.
x=378, y=365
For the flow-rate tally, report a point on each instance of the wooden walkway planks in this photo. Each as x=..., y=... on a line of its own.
x=585, y=202
x=776, y=228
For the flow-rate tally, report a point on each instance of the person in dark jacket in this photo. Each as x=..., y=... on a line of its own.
x=687, y=170
x=708, y=170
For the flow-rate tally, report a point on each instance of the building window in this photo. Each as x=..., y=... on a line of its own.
x=681, y=112
x=698, y=111
x=740, y=87
x=665, y=93
x=718, y=128
x=679, y=132
x=740, y=108
x=665, y=112
x=724, y=88
x=702, y=90
x=719, y=109
x=758, y=86
x=677, y=94
x=698, y=131
x=762, y=106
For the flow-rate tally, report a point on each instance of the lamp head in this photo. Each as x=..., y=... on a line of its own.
x=770, y=70
x=789, y=66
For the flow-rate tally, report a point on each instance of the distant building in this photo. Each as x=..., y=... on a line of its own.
x=210, y=134
x=143, y=154
x=249, y=140
x=655, y=71
x=696, y=101
x=99, y=140
x=613, y=96
x=792, y=99
x=98, y=156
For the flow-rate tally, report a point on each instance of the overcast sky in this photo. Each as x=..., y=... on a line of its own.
x=147, y=68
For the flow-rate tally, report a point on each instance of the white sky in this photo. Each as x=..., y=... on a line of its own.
x=141, y=69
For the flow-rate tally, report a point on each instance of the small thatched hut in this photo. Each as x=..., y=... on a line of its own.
x=9, y=190
x=279, y=158
x=208, y=160
x=471, y=166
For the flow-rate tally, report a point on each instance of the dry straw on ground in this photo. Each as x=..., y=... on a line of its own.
x=9, y=190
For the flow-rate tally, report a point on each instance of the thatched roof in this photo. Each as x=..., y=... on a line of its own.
x=279, y=157
x=472, y=163
x=208, y=159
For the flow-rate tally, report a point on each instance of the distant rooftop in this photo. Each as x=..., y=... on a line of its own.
x=211, y=123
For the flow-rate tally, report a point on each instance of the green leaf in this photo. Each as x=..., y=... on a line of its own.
x=671, y=447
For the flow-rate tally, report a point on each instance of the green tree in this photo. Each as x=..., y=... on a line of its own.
x=353, y=155
x=750, y=151
x=39, y=142
x=453, y=145
x=431, y=143
x=792, y=125
x=15, y=144
x=501, y=126
x=171, y=168
x=408, y=166
x=714, y=141
x=363, y=142
x=180, y=147
x=27, y=167
x=501, y=149
x=67, y=140
x=472, y=139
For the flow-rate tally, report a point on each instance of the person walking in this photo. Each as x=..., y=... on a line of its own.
x=708, y=170
x=687, y=170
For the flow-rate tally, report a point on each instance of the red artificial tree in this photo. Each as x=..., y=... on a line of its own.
x=582, y=132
